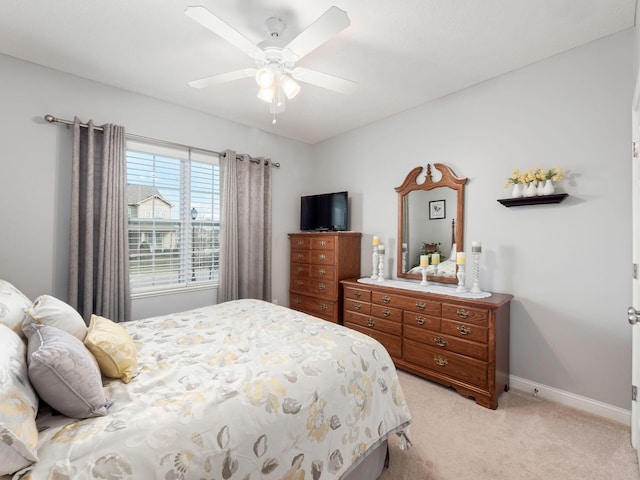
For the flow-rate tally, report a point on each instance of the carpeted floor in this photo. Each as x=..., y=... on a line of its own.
x=526, y=438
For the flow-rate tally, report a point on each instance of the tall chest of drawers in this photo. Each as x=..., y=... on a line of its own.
x=318, y=262
x=458, y=342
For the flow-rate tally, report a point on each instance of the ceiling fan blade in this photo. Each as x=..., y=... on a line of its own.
x=330, y=23
x=223, y=78
x=324, y=80
x=208, y=20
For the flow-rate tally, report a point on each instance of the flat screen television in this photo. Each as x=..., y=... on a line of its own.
x=327, y=211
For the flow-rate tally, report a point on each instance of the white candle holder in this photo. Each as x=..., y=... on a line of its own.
x=460, y=275
x=424, y=276
x=404, y=258
x=475, y=287
x=381, y=267
x=375, y=260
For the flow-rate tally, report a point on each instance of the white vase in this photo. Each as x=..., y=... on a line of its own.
x=548, y=188
x=540, y=188
x=530, y=190
x=517, y=190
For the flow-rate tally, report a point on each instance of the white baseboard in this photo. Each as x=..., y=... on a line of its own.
x=589, y=405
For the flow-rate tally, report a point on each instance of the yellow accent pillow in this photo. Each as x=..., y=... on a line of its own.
x=113, y=348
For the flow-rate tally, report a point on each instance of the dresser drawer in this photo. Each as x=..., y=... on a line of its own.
x=300, y=242
x=357, y=294
x=446, y=363
x=357, y=306
x=465, y=314
x=420, y=320
x=368, y=322
x=311, y=286
x=320, y=257
x=391, y=343
x=465, y=330
x=384, y=312
x=300, y=256
x=406, y=303
x=323, y=243
x=322, y=272
x=446, y=342
x=300, y=270
x=313, y=306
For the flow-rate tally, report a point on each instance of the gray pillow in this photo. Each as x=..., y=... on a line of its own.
x=64, y=372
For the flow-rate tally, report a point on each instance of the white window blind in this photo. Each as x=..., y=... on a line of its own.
x=174, y=216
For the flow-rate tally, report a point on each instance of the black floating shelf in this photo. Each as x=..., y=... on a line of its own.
x=541, y=200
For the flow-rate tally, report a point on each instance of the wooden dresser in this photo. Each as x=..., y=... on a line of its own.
x=458, y=342
x=318, y=262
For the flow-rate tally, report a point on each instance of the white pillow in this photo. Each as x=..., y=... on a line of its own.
x=65, y=373
x=18, y=406
x=47, y=310
x=13, y=306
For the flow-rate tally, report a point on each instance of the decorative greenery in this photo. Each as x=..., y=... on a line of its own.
x=538, y=174
x=429, y=249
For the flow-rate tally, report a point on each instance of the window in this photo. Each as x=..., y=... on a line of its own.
x=174, y=216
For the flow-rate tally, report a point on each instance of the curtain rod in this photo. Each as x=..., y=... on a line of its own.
x=52, y=119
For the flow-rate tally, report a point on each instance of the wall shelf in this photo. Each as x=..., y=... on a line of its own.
x=541, y=200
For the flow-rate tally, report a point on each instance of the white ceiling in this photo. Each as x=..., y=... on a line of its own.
x=402, y=53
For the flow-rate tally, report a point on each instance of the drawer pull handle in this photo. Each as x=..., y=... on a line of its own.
x=441, y=361
x=300, y=269
x=323, y=306
x=300, y=243
x=421, y=305
x=299, y=283
x=420, y=320
x=322, y=286
x=322, y=256
x=357, y=305
x=386, y=299
x=386, y=312
x=462, y=313
x=322, y=243
x=441, y=342
x=371, y=322
x=322, y=272
x=357, y=294
x=300, y=255
x=464, y=330
x=297, y=300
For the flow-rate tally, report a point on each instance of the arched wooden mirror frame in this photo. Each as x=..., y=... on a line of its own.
x=411, y=184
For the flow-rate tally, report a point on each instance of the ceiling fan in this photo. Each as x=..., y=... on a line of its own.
x=275, y=70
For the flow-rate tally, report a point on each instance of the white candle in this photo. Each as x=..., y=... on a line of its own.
x=424, y=260
x=380, y=248
x=476, y=247
x=461, y=258
x=435, y=258
x=376, y=240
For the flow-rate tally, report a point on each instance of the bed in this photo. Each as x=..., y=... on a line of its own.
x=240, y=390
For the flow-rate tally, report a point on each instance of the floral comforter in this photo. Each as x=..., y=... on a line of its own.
x=240, y=390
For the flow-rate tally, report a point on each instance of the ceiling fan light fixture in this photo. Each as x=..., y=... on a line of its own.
x=289, y=86
x=265, y=77
x=266, y=94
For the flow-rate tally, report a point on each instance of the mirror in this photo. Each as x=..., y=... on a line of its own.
x=430, y=220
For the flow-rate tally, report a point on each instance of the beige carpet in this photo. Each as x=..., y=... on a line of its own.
x=525, y=438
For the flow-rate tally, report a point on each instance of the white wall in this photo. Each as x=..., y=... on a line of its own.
x=568, y=265
x=35, y=172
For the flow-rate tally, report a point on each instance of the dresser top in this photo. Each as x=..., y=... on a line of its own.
x=493, y=301
x=341, y=233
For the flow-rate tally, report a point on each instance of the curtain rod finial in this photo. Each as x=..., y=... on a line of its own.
x=50, y=118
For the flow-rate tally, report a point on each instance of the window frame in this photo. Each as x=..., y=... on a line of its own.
x=190, y=160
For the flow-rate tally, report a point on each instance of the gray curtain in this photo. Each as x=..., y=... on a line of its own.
x=99, y=250
x=245, y=228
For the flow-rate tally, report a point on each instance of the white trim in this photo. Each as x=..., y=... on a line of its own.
x=569, y=399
